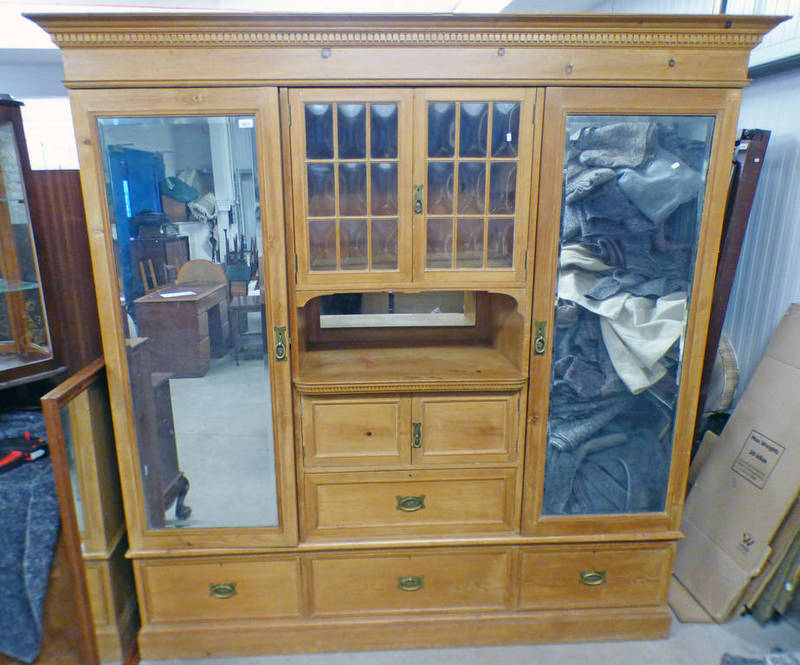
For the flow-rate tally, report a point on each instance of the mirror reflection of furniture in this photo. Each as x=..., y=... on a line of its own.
x=164, y=484
x=201, y=270
x=158, y=258
x=78, y=419
x=239, y=308
x=188, y=321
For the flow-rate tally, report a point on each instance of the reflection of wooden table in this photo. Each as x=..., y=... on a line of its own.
x=186, y=328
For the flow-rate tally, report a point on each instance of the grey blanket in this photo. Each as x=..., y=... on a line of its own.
x=29, y=523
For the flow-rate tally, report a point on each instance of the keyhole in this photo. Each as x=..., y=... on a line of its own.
x=369, y=433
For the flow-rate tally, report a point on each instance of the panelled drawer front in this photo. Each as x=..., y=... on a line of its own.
x=411, y=581
x=230, y=588
x=356, y=431
x=399, y=502
x=595, y=576
x=466, y=428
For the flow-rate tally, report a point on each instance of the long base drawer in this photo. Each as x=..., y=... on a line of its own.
x=595, y=576
x=408, y=581
x=218, y=589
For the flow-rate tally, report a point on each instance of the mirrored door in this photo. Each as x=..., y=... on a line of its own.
x=189, y=204
x=627, y=220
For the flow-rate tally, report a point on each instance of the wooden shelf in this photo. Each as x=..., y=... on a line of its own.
x=425, y=369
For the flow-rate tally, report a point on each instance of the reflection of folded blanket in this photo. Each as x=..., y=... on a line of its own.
x=640, y=336
x=622, y=144
x=29, y=522
x=637, y=331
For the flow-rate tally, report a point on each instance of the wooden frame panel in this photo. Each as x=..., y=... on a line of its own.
x=263, y=104
x=722, y=105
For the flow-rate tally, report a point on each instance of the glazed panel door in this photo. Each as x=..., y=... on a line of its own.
x=204, y=433
x=351, y=160
x=472, y=180
x=628, y=225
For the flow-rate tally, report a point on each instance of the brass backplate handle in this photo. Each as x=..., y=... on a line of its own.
x=417, y=199
x=416, y=435
x=410, y=583
x=539, y=337
x=281, y=345
x=593, y=577
x=409, y=504
x=222, y=591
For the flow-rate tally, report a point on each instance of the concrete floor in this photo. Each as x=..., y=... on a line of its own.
x=688, y=644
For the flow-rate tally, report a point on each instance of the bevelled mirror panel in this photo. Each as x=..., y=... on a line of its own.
x=184, y=208
x=633, y=197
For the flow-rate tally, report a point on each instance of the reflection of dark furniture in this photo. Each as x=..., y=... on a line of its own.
x=238, y=308
x=186, y=329
x=167, y=253
x=164, y=483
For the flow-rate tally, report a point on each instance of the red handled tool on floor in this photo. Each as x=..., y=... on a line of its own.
x=18, y=450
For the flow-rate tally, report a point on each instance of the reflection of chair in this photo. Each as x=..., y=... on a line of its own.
x=201, y=270
x=238, y=308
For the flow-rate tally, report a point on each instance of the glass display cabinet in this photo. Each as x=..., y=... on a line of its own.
x=482, y=251
x=78, y=419
x=26, y=352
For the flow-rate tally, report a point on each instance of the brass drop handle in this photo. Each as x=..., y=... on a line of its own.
x=222, y=591
x=410, y=504
x=417, y=199
x=410, y=583
x=281, y=343
x=539, y=337
x=593, y=577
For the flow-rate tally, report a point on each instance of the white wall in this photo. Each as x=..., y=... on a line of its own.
x=657, y=6
x=768, y=275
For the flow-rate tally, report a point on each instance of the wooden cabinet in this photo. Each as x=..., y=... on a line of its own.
x=26, y=348
x=487, y=249
x=418, y=430
x=79, y=431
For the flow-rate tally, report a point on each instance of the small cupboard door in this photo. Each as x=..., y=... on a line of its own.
x=457, y=429
x=204, y=438
x=472, y=180
x=351, y=160
x=630, y=218
x=355, y=430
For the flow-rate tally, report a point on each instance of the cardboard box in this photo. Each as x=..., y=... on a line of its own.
x=749, y=482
